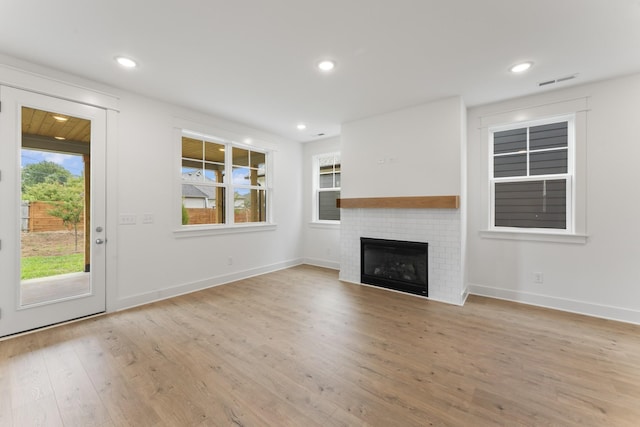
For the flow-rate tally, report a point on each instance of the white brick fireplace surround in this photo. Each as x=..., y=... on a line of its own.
x=441, y=228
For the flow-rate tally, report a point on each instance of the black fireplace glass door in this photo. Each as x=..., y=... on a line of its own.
x=395, y=264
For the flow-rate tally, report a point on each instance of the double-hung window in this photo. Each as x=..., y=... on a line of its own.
x=531, y=175
x=222, y=182
x=326, y=187
x=249, y=185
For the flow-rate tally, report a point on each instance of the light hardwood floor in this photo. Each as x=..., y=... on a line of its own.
x=299, y=348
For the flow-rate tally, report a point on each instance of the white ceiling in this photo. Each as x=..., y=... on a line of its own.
x=253, y=61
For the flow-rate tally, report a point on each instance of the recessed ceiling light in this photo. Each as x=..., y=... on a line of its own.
x=60, y=138
x=301, y=126
x=126, y=62
x=248, y=141
x=521, y=67
x=60, y=118
x=326, y=65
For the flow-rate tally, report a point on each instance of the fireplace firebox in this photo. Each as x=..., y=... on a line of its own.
x=395, y=264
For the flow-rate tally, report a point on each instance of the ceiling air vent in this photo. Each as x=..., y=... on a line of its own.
x=558, y=80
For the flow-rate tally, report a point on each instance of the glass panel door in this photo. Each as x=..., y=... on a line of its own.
x=55, y=158
x=52, y=235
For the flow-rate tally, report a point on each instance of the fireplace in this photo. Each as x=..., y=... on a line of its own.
x=394, y=264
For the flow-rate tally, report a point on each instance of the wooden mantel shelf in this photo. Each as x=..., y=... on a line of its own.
x=422, y=202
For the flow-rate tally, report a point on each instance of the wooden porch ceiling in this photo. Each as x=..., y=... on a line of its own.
x=41, y=131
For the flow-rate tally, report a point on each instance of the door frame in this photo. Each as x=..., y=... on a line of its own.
x=26, y=80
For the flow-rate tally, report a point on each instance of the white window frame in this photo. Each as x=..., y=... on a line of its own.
x=317, y=190
x=231, y=188
x=230, y=225
x=569, y=176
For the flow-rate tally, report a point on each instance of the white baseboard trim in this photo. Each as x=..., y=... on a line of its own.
x=174, y=291
x=322, y=263
x=572, y=306
x=464, y=295
x=351, y=282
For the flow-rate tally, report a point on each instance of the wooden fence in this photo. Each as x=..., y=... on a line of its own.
x=202, y=215
x=210, y=216
x=36, y=218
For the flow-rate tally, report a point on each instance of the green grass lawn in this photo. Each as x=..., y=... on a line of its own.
x=43, y=266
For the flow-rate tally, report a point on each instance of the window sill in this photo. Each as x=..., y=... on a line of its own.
x=578, y=239
x=332, y=225
x=213, y=230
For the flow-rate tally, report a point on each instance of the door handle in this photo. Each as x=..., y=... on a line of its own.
x=100, y=241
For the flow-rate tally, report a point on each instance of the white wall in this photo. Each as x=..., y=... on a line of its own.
x=321, y=241
x=153, y=260
x=411, y=152
x=150, y=261
x=601, y=277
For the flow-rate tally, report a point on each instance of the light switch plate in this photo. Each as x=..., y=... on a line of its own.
x=127, y=219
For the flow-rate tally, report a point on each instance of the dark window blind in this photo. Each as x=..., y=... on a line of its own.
x=511, y=165
x=546, y=154
x=327, y=210
x=553, y=135
x=531, y=204
x=548, y=162
x=510, y=141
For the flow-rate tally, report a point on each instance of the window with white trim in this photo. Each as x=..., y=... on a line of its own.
x=326, y=185
x=222, y=182
x=249, y=185
x=531, y=175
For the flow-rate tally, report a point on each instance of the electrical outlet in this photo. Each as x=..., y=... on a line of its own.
x=538, y=277
x=147, y=218
x=127, y=219
x=230, y=261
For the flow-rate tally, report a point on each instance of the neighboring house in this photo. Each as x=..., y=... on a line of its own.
x=194, y=195
x=240, y=203
x=198, y=196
